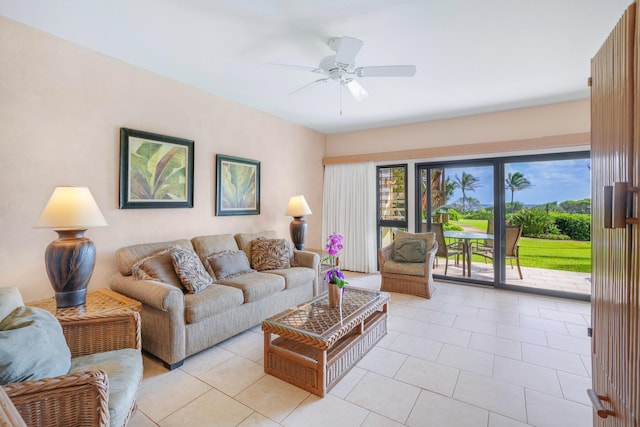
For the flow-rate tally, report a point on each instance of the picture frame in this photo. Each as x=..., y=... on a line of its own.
x=237, y=186
x=156, y=171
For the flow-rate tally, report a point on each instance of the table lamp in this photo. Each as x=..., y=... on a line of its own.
x=298, y=208
x=71, y=257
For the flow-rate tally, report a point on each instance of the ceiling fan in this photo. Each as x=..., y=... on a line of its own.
x=341, y=68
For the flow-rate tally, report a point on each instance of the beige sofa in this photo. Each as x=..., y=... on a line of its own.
x=177, y=324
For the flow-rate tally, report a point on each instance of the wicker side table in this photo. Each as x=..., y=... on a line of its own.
x=99, y=302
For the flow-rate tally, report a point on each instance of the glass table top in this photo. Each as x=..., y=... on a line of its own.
x=316, y=318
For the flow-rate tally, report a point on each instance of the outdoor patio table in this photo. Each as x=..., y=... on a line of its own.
x=467, y=237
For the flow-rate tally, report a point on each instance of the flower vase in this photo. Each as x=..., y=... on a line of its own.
x=335, y=295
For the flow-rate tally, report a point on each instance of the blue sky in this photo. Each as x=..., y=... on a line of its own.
x=552, y=181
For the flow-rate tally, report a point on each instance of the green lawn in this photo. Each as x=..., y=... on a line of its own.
x=567, y=255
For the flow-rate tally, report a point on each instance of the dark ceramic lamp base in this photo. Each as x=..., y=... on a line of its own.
x=298, y=230
x=70, y=260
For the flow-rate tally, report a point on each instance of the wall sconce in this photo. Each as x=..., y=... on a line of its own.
x=298, y=208
x=71, y=257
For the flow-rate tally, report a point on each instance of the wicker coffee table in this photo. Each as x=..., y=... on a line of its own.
x=317, y=345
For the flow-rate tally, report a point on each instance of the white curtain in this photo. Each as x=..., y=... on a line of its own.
x=349, y=208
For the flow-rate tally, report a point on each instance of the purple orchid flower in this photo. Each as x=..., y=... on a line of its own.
x=334, y=246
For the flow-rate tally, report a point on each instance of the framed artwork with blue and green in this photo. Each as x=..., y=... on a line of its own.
x=156, y=171
x=237, y=186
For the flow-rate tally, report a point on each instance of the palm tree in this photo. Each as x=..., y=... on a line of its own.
x=514, y=182
x=450, y=187
x=467, y=183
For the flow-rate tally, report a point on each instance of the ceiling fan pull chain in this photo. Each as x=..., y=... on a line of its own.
x=340, y=98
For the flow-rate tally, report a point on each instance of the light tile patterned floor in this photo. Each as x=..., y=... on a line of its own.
x=470, y=356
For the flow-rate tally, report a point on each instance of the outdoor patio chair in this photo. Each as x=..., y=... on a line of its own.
x=444, y=250
x=512, y=247
x=485, y=244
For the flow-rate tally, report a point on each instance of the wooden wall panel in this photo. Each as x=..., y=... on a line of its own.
x=612, y=155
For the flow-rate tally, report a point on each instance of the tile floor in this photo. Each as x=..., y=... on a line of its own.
x=467, y=357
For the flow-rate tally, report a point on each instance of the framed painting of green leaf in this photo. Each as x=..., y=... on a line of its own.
x=237, y=186
x=156, y=171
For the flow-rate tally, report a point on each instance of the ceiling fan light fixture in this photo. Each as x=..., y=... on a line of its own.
x=356, y=89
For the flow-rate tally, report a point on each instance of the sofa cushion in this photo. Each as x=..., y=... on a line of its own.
x=32, y=346
x=214, y=243
x=295, y=277
x=409, y=268
x=228, y=264
x=158, y=266
x=10, y=299
x=126, y=257
x=213, y=300
x=124, y=371
x=269, y=254
x=190, y=270
x=409, y=250
x=255, y=286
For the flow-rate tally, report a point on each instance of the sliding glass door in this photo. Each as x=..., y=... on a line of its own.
x=549, y=199
x=456, y=201
x=517, y=223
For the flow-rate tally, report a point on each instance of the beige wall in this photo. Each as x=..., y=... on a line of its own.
x=61, y=109
x=546, y=127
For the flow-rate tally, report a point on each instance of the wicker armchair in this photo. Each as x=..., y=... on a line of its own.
x=79, y=398
x=403, y=277
x=9, y=416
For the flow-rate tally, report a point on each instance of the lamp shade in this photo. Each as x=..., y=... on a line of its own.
x=71, y=208
x=298, y=206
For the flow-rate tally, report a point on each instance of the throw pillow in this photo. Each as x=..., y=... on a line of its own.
x=410, y=250
x=10, y=298
x=158, y=266
x=429, y=237
x=190, y=270
x=32, y=346
x=269, y=254
x=229, y=263
x=292, y=256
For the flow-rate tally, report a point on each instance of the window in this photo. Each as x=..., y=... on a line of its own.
x=391, y=202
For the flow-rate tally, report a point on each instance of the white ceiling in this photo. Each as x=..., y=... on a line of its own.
x=472, y=56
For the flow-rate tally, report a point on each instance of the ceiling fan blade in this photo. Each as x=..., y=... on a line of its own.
x=347, y=50
x=386, y=71
x=356, y=89
x=307, y=86
x=294, y=67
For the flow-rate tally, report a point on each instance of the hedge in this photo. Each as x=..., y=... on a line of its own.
x=576, y=226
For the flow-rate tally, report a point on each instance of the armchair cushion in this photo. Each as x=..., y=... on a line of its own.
x=124, y=371
x=32, y=346
x=270, y=254
x=410, y=250
x=408, y=268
